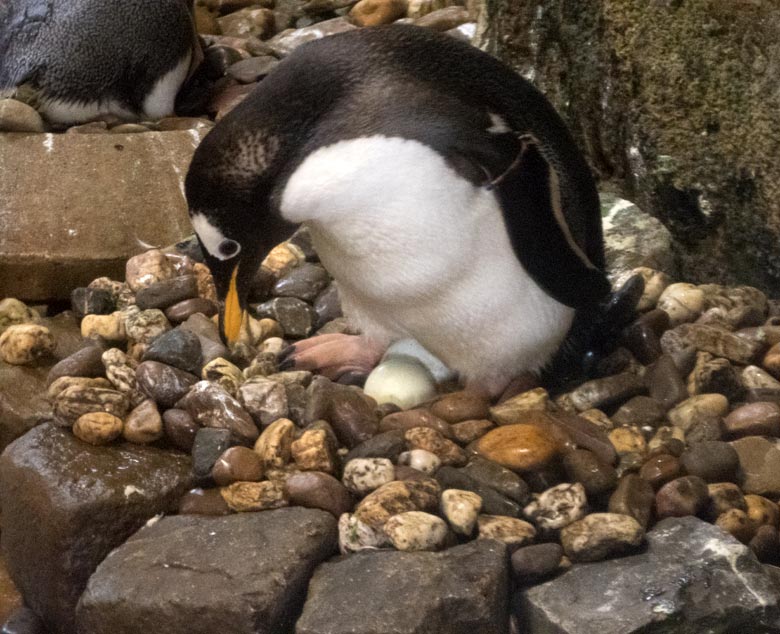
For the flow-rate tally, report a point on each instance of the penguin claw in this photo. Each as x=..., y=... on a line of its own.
x=343, y=358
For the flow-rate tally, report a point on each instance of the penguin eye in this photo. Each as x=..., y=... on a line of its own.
x=229, y=248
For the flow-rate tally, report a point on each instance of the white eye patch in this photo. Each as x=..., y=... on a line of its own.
x=213, y=240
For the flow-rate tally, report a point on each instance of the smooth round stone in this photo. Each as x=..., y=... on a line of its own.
x=518, y=447
x=203, y=502
x=761, y=510
x=683, y=496
x=86, y=362
x=595, y=475
x=163, y=383
x=432, y=441
x=535, y=562
x=659, y=469
x=211, y=406
x=633, y=497
x=512, y=411
x=493, y=475
x=457, y=407
x=91, y=301
x=461, y=509
x=641, y=339
x=712, y=461
x=178, y=348
x=255, y=496
x=558, y=506
x=670, y=440
x=737, y=524
x=182, y=311
x=470, y=430
x=16, y=116
x=98, y=428
x=352, y=416
x=403, y=381
x=415, y=531
x=355, y=535
x=146, y=268
x=601, y=535
x=180, y=428
x=376, y=12
x=759, y=459
x=421, y=460
x=766, y=545
x=627, y=440
x=698, y=408
x=388, y=445
x=665, y=382
x=109, y=327
x=143, y=424
x=317, y=490
x=328, y=305
x=415, y=418
x=237, y=464
x=408, y=473
x=509, y=530
x=704, y=430
x=724, y=496
x=306, y=281
x=754, y=377
x=682, y=302
x=208, y=446
x=639, y=411
x=167, y=292
x=274, y=446
x=771, y=361
x=754, y=419
x=26, y=343
x=363, y=475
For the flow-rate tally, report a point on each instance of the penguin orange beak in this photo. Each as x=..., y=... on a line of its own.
x=233, y=314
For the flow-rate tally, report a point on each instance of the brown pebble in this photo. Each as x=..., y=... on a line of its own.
x=315, y=450
x=660, y=469
x=762, y=510
x=470, y=430
x=771, y=362
x=319, y=490
x=532, y=563
x=753, y=419
x=182, y=311
x=518, y=447
x=403, y=472
x=98, y=428
x=687, y=495
x=431, y=440
x=144, y=424
x=724, y=496
x=415, y=418
x=665, y=382
x=203, y=502
x=255, y=496
x=180, y=428
x=766, y=545
x=633, y=496
x=737, y=524
x=237, y=464
x=459, y=406
x=595, y=475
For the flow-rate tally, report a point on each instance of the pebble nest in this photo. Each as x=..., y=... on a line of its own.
x=682, y=419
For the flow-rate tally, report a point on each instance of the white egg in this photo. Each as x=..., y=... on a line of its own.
x=401, y=380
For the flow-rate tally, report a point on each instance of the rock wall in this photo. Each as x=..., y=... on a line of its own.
x=677, y=102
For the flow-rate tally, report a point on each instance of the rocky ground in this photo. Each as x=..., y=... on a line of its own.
x=150, y=474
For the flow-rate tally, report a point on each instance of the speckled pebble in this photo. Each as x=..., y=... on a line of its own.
x=355, y=535
x=415, y=531
x=558, y=506
x=363, y=475
x=461, y=509
x=421, y=460
x=274, y=446
x=432, y=441
x=147, y=268
x=24, y=344
x=315, y=450
x=510, y=530
x=98, y=428
x=601, y=535
x=109, y=327
x=255, y=496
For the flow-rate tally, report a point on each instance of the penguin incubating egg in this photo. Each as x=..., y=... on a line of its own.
x=78, y=60
x=441, y=190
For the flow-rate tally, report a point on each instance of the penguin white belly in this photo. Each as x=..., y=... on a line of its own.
x=160, y=101
x=420, y=252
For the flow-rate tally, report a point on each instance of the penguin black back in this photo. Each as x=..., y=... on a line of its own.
x=80, y=52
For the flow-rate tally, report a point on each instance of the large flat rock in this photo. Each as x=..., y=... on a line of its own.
x=243, y=574
x=66, y=505
x=463, y=590
x=74, y=206
x=693, y=579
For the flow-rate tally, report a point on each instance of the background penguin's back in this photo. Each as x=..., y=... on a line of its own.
x=86, y=50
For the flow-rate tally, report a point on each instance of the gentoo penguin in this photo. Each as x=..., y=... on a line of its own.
x=442, y=191
x=79, y=60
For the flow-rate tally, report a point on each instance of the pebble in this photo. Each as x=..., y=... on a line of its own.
x=144, y=424
x=415, y=418
x=683, y=496
x=211, y=406
x=697, y=409
x=237, y=464
x=771, y=361
x=120, y=371
x=264, y=399
x=208, y=446
x=461, y=509
x=61, y=384
x=388, y=445
x=444, y=19
x=163, y=383
x=363, y=475
x=493, y=475
x=91, y=301
x=274, y=446
x=712, y=339
x=305, y=281
x=24, y=344
x=628, y=440
x=420, y=459
x=86, y=362
x=509, y=530
x=376, y=12
x=665, y=382
x=432, y=441
x=203, y=502
x=766, y=545
x=536, y=562
x=492, y=501
x=759, y=461
x=181, y=311
x=595, y=475
x=712, y=461
x=258, y=22
x=295, y=316
x=328, y=305
x=457, y=407
x=206, y=288
x=724, y=496
x=601, y=535
x=659, y=469
x=167, y=292
x=655, y=284
x=355, y=535
x=13, y=312
x=606, y=392
x=667, y=439
x=510, y=411
x=318, y=490
x=711, y=374
x=643, y=342
x=558, y=506
x=76, y=400
x=315, y=450
x=97, y=428
x=352, y=415
x=253, y=69
x=518, y=447
x=147, y=268
x=753, y=419
x=633, y=497
x=737, y=524
x=145, y=325
x=416, y=531
x=470, y=430
x=682, y=302
x=761, y=510
x=398, y=497
x=223, y=373
x=16, y=116
x=400, y=380
x=582, y=432
x=754, y=377
x=418, y=8
x=255, y=496
x=178, y=348
x=180, y=428
x=639, y=411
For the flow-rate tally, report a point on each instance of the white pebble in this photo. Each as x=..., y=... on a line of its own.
x=403, y=381
x=363, y=475
x=683, y=302
x=558, y=506
x=461, y=509
x=510, y=530
x=354, y=535
x=420, y=459
x=415, y=530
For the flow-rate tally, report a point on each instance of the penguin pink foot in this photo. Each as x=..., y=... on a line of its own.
x=339, y=357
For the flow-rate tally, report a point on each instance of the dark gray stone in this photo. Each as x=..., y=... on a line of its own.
x=179, y=348
x=163, y=383
x=23, y=402
x=304, y=282
x=23, y=621
x=167, y=292
x=294, y=315
x=388, y=445
x=67, y=504
x=492, y=474
x=462, y=590
x=692, y=579
x=328, y=305
x=243, y=574
x=91, y=301
x=86, y=362
x=209, y=445
x=493, y=503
